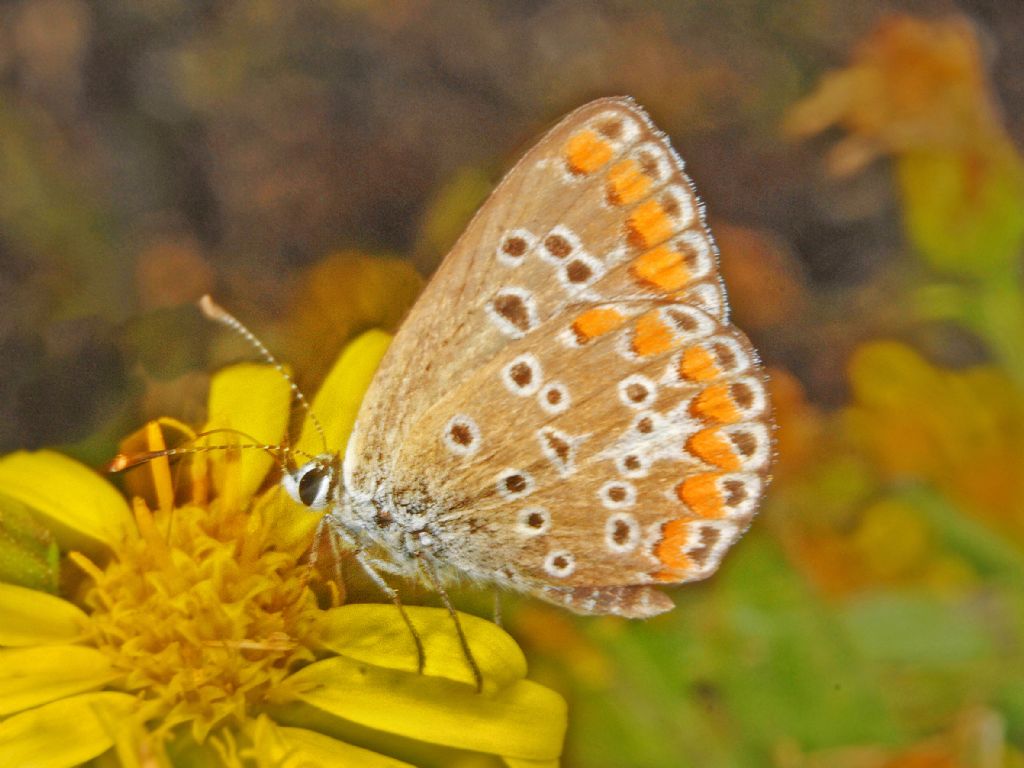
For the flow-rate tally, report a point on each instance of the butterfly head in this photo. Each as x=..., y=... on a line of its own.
x=314, y=483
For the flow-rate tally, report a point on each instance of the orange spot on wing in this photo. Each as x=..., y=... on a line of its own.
x=674, y=536
x=627, y=183
x=586, y=152
x=596, y=322
x=648, y=225
x=714, y=448
x=701, y=494
x=661, y=267
x=698, y=364
x=716, y=404
x=652, y=336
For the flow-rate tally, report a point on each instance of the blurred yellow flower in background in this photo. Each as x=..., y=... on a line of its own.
x=921, y=477
x=189, y=630
x=959, y=431
x=917, y=91
x=340, y=296
x=913, y=84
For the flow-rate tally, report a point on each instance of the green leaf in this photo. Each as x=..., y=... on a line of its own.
x=29, y=556
x=989, y=554
x=785, y=662
x=917, y=629
x=750, y=654
x=965, y=211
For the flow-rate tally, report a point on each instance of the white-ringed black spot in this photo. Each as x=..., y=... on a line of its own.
x=616, y=128
x=514, y=311
x=461, y=435
x=554, y=398
x=621, y=532
x=514, y=484
x=515, y=246
x=559, y=448
x=653, y=161
x=637, y=391
x=578, y=271
x=632, y=464
x=522, y=375
x=677, y=203
x=645, y=425
x=559, y=245
x=533, y=521
x=560, y=563
x=617, y=494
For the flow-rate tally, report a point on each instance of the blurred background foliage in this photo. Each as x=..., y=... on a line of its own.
x=306, y=161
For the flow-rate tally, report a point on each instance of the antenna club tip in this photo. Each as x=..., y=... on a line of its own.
x=210, y=308
x=118, y=463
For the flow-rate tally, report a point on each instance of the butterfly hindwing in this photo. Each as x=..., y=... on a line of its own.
x=643, y=471
x=567, y=405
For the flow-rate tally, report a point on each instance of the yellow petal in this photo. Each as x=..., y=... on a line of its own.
x=377, y=635
x=524, y=720
x=64, y=733
x=337, y=402
x=28, y=617
x=33, y=676
x=137, y=747
x=830, y=102
x=299, y=747
x=80, y=501
x=291, y=524
x=146, y=479
x=254, y=399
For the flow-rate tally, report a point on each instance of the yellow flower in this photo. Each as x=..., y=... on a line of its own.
x=917, y=91
x=912, y=85
x=902, y=475
x=959, y=431
x=324, y=311
x=189, y=632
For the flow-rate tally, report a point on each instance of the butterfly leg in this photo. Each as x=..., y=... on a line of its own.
x=392, y=594
x=336, y=536
x=326, y=532
x=497, y=607
x=428, y=570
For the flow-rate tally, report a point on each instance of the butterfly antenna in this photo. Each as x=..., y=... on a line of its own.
x=123, y=461
x=217, y=313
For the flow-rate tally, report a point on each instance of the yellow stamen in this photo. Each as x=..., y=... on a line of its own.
x=202, y=612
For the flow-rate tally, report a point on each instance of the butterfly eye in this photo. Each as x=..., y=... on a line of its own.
x=310, y=484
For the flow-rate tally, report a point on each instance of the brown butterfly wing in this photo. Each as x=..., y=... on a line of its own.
x=567, y=401
x=447, y=333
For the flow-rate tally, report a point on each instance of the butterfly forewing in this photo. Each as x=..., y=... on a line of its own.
x=451, y=329
x=567, y=408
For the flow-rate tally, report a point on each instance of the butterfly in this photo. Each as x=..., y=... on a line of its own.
x=566, y=411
